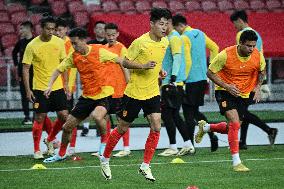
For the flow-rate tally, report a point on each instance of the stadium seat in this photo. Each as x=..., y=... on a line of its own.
x=176, y=6
x=37, y=2
x=110, y=7
x=273, y=4
x=18, y=17
x=4, y=16
x=126, y=6
x=208, y=6
x=37, y=29
x=81, y=18
x=94, y=8
x=225, y=5
x=193, y=6
x=9, y=40
x=35, y=18
x=143, y=6
x=8, y=51
x=257, y=4
x=15, y=7
x=58, y=8
x=241, y=4
x=2, y=6
x=161, y=4
x=6, y=28
x=75, y=6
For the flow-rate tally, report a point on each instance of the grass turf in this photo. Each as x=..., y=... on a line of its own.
x=204, y=170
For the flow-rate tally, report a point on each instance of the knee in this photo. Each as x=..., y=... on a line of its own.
x=62, y=116
x=40, y=118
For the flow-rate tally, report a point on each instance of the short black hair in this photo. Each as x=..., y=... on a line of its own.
x=46, y=18
x=239, y=14
x=111, y=26
x=27, y=24
x=61, y=22
x=99, y=22
x=78, y=32
x=158, y=13
x=248, y=35
x=179, y=19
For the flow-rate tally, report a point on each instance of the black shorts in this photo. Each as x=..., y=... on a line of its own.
x=131, y=107
x=70, y=103
x=227, y=102
x=57, y=101
x=172, y=96
x=115, y=105
x=194, y=93
x=85, y=106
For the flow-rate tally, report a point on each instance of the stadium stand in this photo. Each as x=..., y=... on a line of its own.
x=161, y=4
x=110, y=7
x=193, y=5
x=143, y=7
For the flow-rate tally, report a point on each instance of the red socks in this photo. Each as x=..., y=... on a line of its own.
x=151, y=145
x=233, y=137
x=37, y=131
x=62, y=150
x=125, y=138
x=219, y=128
x=57, y=126
x=73, y=137
x=112, y=141
x=47, y=124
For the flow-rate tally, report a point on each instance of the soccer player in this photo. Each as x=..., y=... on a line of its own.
x=142, y=91
x=61, y=31
x=240, y=20
x=93, y=74
x=172, y=94
x=38, y=53
x=195, y=42
x=26, y=36
x=238, y=72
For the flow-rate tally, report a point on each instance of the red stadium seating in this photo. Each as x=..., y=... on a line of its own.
x=193, y=5
x=15, y=7
x=143, y=6
x=273, y=4
x=18, y=17
x=8, y=51
x=110, y=7
x=4, y=16
x=37, y=29
x=6, y=28
x=9, y=40
x=161, y=4
x=81, y=18
x=176, y=6
x=35, y=18
x=58, y=8
x=76, y=6
x=241, y=4
x=257, y=4
x=209, y=6
x=94, y=8
x=225, y=5
x=37, y=2
x=2, y=6
x=127, y=6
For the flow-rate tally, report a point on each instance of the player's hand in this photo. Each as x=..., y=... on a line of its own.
x=30, y=96
x=163, y=74
x=233, y=90
x=68, y=94
x=257, y=95
x=47, y=92
x=149, y=65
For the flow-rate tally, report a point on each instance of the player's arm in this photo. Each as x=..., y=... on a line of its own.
x=212, y=46
x=125, y=70
x=176, y=48
x=27, y=61
x=217, y=65
x=62, y=67
x=187, y=54
x=261, y=77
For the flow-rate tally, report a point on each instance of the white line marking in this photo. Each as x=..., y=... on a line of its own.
x=130, y=165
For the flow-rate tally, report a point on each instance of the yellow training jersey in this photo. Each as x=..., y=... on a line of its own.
x=143, y=84
x=45, y=57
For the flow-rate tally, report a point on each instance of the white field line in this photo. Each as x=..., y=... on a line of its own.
x=130, y=165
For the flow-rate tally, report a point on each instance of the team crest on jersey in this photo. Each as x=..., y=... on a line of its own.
x=124, y=113
x=36, y=105
x=224, y=104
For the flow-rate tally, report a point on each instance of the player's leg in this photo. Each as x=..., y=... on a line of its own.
x=243, y=134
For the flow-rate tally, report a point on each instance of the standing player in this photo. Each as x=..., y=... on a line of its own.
x=240, y=20
x=61, y=31
x=196, y=43
x=172, y=94
x=142, y=91
x=38, y=53
x=238, y=71
x=88, y=59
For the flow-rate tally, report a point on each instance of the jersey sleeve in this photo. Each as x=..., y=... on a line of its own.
x=187, y=49
x=66, y=64
x=262, y=62
x=123, y=52
x=62, y=51
x=212, y=46
x=28, y=55
x=106, y=55
x=218, y=62
x=133, y=50
x=175, y=44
